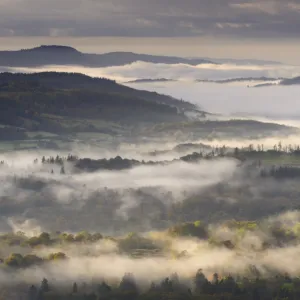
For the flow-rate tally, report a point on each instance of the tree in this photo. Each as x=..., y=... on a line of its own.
x=236, y=151
x=57, y=256
x=31, y=260
x=45, y=238
x=75, y=288
x=128, y=285
x=62, y=170
x=103, y=290
x=196, y=229
x=96, y=237
x=83, y=236
x=215, y=278
x=14, y=260
x=32, y=293
x=229, y=284
x=45, y=286
x=199, y=281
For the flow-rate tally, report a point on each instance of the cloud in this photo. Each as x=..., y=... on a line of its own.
x=145, y=18
x=267, y=7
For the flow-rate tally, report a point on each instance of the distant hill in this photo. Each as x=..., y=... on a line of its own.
x=283, y=81
x=64, y=55
x=291, y=81
x=239, y=79
x=264, y=85
x=150, y=80
x=242, y=61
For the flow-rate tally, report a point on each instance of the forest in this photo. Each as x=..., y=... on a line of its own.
x=256, y=274
x=219, y=183
x=113, y=193
x=67, y=103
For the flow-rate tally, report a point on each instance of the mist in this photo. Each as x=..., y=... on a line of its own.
x=103, y=259
x=26, y=184
x=182, y=203
x=180, y=72
x=234, y=99
x=229, y=99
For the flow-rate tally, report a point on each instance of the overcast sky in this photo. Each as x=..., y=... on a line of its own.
x=262, y=21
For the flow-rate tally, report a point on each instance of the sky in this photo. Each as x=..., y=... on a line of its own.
x=267, y=29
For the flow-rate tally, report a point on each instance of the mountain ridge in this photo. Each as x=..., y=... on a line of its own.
x=66, y=55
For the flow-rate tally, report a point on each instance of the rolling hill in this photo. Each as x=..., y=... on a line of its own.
x=68, y=81
x=48, y=101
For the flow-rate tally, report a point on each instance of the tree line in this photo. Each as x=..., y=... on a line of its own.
x=279, y=286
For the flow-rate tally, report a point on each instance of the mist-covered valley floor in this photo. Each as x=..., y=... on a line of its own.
x=108, y=191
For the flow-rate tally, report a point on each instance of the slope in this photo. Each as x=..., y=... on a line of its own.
x=44, y=101
x=80, y=81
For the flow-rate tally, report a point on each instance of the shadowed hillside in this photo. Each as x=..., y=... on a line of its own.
x=44, y=101
x=69, y=81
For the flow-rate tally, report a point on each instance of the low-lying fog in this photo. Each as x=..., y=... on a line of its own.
x=149, y=198
x=274, y=101
x=229, y=98
x=102, y=259
x=28, y=190
x=141, y=70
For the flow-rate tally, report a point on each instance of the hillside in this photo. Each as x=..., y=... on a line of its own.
x=64, y=55
x=47, y=101
x=67, y=81
x=65, y=103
